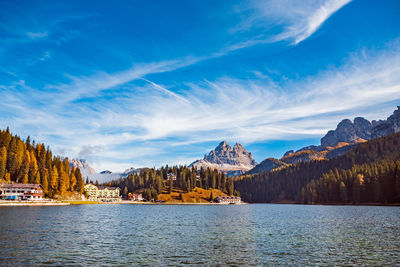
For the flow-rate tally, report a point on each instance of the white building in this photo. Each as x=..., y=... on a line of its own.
x=15, y=191
x=228, y=200
x=102, y=193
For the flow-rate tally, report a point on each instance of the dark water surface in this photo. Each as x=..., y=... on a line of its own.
x=168, y=235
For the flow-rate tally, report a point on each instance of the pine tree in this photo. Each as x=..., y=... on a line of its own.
x=24, y=169
x=25, y=179
x=37, y=178
x=62, y=182
x=7, y=177
x=72, y=180
x=343, y=192
x=230, y=187
x=3, y=162
x=54, y=178
x=188, y=188
x=44, y=180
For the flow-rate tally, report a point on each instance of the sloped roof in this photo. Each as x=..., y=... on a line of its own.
x=19, y=185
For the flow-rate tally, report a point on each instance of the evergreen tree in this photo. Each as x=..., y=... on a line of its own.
x=54, y=178
x=37, y=178
x=72, y=180
x=25, y=179
x=3, y=162
x=343, y=192
x=44, y=180
x=7, y=177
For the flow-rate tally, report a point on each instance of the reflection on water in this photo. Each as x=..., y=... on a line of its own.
x=152, y=235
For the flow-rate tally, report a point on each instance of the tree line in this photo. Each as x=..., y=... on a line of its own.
x=367, y=173
x=28, y=162
x=155, y=181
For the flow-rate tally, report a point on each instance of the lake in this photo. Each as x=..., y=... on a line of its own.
x=174, y=235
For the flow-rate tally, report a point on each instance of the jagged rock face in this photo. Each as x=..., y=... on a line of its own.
x=386, y=127
x=267, y=165
x=346, y=136
x=348, y=132
x=83, y=166
x=225, y=158
x=362, y=128
x=224, y=154
x=288, y=153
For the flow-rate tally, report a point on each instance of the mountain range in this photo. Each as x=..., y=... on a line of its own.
x=346, y=136
x=237, y=160
x=103, y=176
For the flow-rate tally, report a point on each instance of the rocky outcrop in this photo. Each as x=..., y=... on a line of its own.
x=362, y=128
x=288, y=153
x=83, y=166
x=385, y=127
x=348, y=131
x=347, y=135
x=227, y=159
x=267, y=165
x=303, y=155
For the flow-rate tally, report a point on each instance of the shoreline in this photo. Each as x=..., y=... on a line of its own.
x=332, y=204
x=125, y=202
x=32, y=203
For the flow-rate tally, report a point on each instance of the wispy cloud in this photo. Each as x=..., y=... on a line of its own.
x=37, y=35
x=307, y=21
x=151, y=119
x=284, y=20
x=90, y=86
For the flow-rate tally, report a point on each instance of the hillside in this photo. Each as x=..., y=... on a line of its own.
x=30, y=162
x=197, y=195
x=347, y=135
x=167, y=182
x=370, y=167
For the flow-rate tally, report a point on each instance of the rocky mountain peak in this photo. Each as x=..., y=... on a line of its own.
x=386, y=127
x=223, y=146
x=83, y=166
x=348, y=131
x=223, y=157
x=362, y=128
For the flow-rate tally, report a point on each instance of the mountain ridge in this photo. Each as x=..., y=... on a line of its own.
x=347, y=135
x=226, y=159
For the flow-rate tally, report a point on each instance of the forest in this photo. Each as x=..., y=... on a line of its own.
x=152, y=182
x=369, y=173
x=28, y=162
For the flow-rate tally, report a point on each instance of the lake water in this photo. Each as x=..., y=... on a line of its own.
x=168, y=235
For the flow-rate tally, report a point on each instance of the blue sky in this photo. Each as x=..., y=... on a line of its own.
x=148, y=83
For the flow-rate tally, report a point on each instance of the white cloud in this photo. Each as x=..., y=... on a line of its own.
x=308, y=19
x=37, y=35
x=288, y=20
x=148, y=122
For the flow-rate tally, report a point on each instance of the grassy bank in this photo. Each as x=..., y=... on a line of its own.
x=196, y=196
